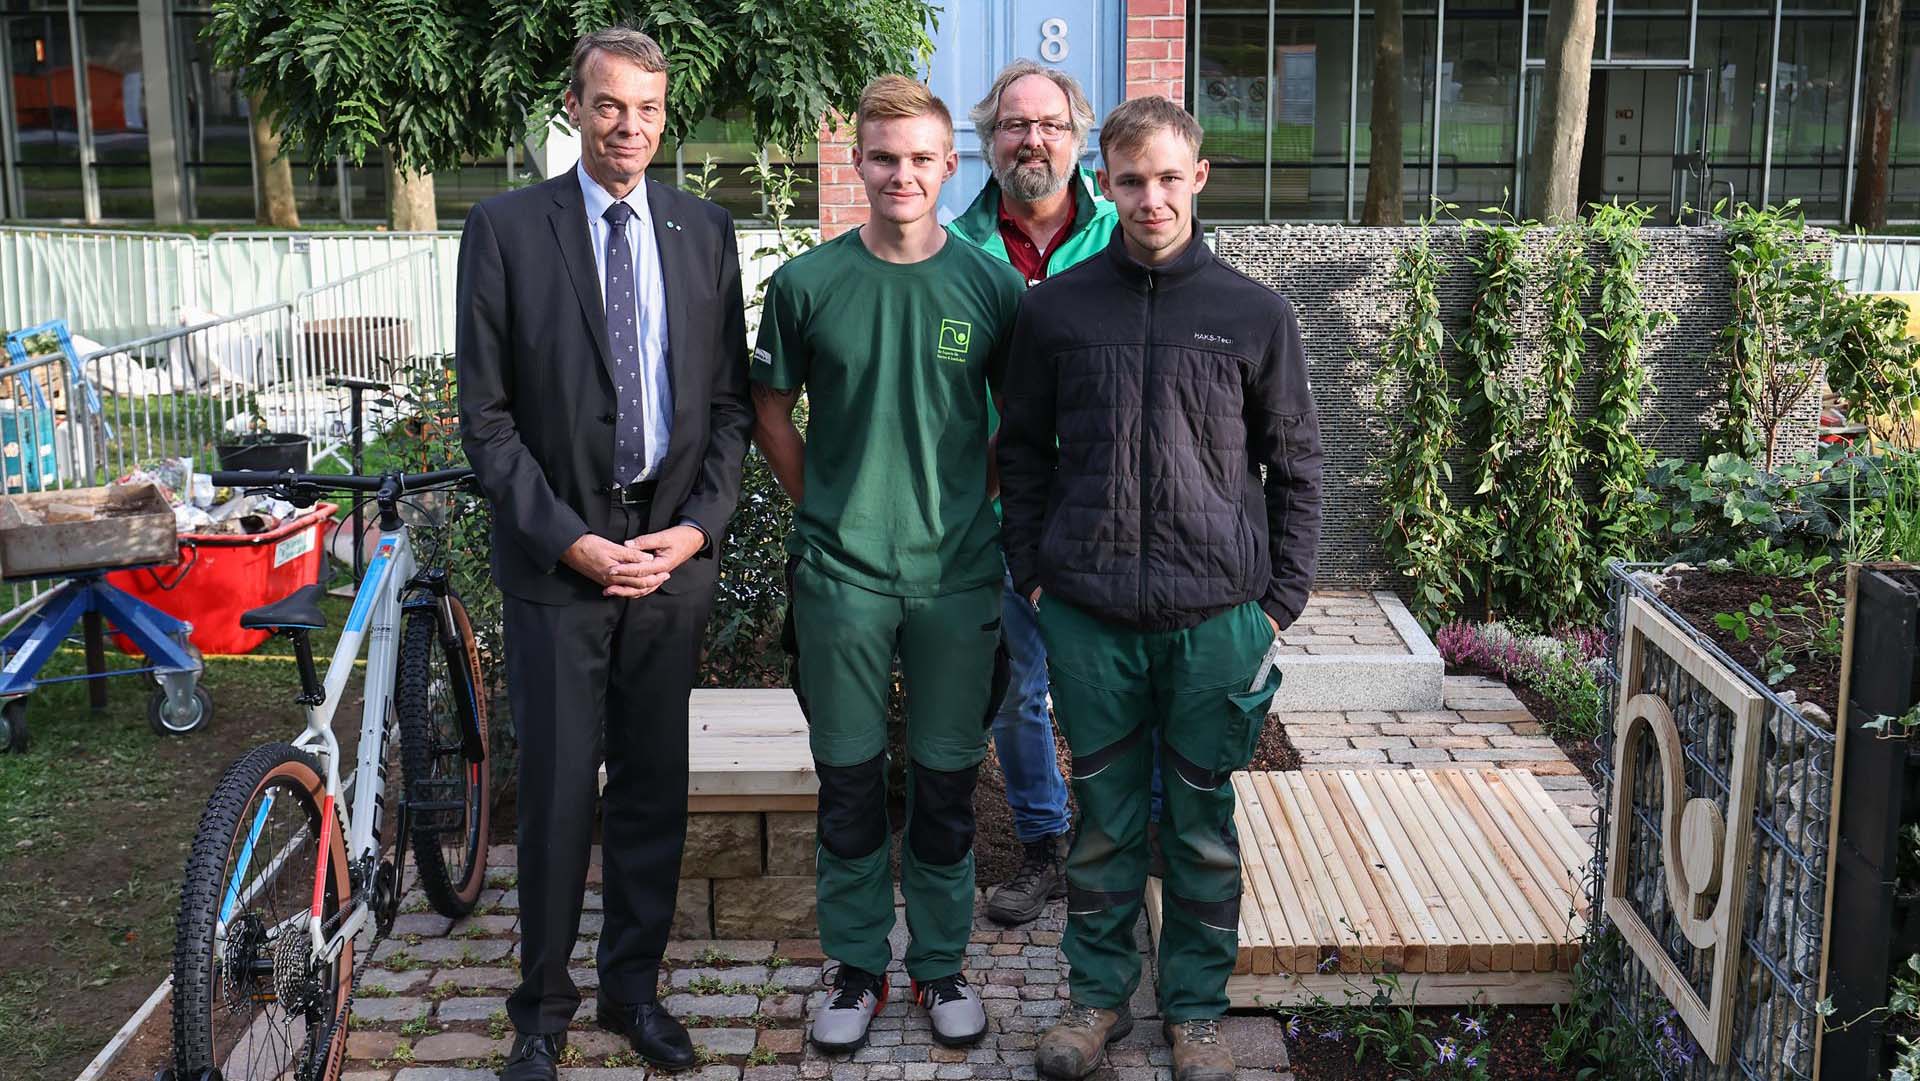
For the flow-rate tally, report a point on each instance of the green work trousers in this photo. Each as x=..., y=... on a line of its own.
x=1115, y=691
x=845, y=640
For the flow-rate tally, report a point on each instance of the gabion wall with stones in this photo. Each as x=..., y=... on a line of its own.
x=1340, y=281
x=1776, y=975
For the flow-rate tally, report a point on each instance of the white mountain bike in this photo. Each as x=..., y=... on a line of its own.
x=287, y=872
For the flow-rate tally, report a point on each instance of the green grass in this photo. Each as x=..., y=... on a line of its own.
x=95, y=822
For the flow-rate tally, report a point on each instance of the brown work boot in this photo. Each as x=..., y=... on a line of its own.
x=1198, y=1054
x=1077, y=1044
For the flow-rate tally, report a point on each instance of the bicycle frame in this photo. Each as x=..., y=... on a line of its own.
x=373, y=621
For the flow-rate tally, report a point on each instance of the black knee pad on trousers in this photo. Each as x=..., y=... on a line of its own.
x=941, y=827
x=1219, y=915
x=853, y=807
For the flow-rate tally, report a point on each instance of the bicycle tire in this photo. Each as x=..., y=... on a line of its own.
x=204, y=994
x=452, y=876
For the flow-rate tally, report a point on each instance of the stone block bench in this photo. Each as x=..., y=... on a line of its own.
x=751, y=801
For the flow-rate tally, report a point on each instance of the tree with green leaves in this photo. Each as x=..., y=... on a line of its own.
x=429, y=84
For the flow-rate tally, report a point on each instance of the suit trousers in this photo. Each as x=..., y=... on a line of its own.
x=622, y=667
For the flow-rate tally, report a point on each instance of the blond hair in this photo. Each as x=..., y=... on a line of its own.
x=896, y=97
x=1133, y=122
x=987, y=112
x=621, y=40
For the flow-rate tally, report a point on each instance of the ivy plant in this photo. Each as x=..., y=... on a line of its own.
x=1492, y=403
x=1420, y=531
x=1618, y=460
x=1551, y=561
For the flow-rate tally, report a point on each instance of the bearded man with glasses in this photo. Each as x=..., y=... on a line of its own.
x=1041, y=212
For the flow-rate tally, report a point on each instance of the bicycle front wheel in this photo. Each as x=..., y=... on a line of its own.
x=249, y=996
x=436, y=695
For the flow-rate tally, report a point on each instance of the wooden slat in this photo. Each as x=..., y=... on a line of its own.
x=1447, y=944
x=1310, y=915
x=1450, y=877
x=1259, y=903
x=1469, y=881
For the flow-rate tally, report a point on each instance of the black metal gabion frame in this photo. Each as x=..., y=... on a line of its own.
x=1776, y=981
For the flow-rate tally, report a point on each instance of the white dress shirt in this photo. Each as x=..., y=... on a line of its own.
x=650, y=302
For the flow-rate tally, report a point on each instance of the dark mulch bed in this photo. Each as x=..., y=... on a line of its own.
x=1515, y=1036
x=1699, y=595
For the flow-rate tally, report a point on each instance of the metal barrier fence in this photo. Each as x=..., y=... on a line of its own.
x=1780, y=939
x=180, y=392
x=110, y=286
x=1878, y=264
x=114, y=287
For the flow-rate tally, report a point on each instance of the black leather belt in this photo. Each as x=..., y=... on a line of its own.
x=627, y=495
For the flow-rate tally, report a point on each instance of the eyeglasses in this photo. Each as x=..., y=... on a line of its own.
x=1051, y=131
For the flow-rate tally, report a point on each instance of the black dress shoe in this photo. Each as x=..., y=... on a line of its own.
x=536, y=1057
x=654, y=1033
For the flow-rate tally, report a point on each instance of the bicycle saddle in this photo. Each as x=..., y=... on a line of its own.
x=301, y=608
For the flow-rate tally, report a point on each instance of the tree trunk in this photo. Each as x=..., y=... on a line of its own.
x=1876, y=116
x=1386, y=202
x=1553, y=170
x=410, y=206
x=273, y=174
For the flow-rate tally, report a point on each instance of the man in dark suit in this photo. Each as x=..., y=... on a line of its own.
x=603, y=404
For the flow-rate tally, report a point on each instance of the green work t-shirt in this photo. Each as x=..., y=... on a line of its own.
x=897, y=359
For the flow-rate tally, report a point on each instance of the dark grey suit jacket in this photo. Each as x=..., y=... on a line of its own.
x=536, y=381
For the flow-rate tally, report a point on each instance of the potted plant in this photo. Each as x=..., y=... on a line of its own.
x=259, y=447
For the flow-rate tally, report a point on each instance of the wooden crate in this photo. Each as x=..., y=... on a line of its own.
x=48, y=534
x=1467, y=882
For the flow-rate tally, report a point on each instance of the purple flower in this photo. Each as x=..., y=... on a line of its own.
x=1474, y=1026
x=1472, y=1062
x=1293, y=1027
x=1446, y=1050
x=1332, y=1034
x=1328, y=963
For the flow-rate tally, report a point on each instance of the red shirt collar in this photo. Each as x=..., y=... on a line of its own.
x=1028, y=260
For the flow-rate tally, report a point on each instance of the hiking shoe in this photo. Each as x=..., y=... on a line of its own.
x=1076, y=1045
x=1198, y=1054
x=1040, y=879
x=959, y=1019
x=840, y=1024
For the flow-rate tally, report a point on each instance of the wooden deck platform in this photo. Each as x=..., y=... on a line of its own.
x=1465, y=881
x=747, y=751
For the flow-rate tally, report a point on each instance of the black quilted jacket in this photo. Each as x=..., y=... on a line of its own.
x=1142, y=405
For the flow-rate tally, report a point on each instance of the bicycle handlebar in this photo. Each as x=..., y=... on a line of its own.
x=339, y=482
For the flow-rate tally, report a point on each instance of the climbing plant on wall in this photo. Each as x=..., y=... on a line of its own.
x=1619, y=463
x=1550, y=560
x=1419, y=532
x=1492, y=406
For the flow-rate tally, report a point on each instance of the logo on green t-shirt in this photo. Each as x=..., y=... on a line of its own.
x=955, y=335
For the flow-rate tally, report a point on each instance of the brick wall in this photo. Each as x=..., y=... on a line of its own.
x=842, y=205
x=1157, y=48
x=1339, y=281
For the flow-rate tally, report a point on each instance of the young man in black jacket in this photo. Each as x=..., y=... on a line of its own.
x=1160, y=471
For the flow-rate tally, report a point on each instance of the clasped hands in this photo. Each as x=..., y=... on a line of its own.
x=637, y=567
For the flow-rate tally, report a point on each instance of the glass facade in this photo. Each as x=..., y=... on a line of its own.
x=48, y=138
x=1691, y=101
x=1763, y=103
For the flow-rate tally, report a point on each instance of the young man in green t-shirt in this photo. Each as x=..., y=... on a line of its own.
x=896, y=332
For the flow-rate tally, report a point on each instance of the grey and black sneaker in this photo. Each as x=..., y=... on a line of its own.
x=840, y=1024
x=1040, y=879
x=959, y=1019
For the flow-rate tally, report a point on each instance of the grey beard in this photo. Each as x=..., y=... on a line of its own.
x=1029, y=185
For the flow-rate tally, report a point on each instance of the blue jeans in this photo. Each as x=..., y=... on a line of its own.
x=1023, y=730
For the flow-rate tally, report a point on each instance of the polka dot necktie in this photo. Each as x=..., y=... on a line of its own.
x=623, y=334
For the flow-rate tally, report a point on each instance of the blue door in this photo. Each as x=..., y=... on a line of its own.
x=976, y=38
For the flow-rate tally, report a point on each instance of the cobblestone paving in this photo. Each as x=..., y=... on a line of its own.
x=1342, y=621
x=432, y=1008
